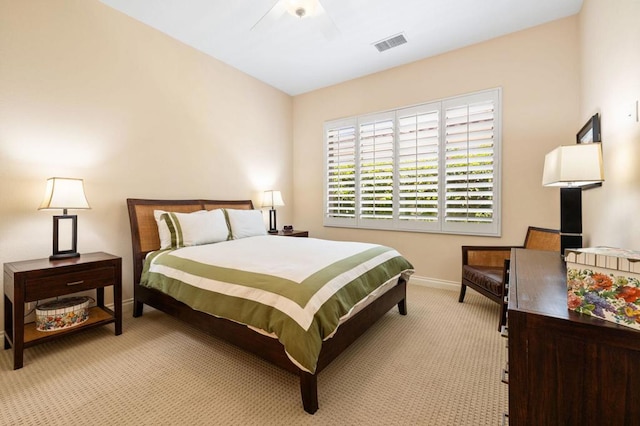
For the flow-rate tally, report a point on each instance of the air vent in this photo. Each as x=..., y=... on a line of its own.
x=390, y=42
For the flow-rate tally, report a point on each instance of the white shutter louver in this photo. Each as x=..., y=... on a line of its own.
x=469, y=163
x=341, y=168
x=418, y=140
x=376, y=168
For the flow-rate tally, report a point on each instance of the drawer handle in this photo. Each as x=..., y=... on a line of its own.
x=75, y=283
x=504, y=331
x=505, y=376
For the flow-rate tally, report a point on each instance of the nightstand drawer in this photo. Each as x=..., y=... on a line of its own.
x=60, y=284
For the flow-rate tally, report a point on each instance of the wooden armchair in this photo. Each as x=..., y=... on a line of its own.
x=486, y=268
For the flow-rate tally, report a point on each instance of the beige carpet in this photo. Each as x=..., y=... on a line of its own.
x=440, y=365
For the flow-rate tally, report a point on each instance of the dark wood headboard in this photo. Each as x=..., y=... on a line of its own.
x=144, y=230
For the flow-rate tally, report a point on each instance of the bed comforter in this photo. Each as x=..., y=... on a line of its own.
x=295, y=289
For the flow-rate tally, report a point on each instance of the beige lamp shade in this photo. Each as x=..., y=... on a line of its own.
x=64, y=193
x=573, y=166
x=272, y=199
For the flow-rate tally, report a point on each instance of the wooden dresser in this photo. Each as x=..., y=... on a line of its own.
x=565, y=368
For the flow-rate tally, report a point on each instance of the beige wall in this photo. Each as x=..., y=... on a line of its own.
x=610, y=49
x=86, y=91
x=538, y=70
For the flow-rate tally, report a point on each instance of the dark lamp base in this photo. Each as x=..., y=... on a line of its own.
x=72, y=251
x=63, y=256
x=273, y=228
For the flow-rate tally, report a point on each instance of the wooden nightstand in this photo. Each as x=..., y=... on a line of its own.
x=293, y=233
x=32, y=280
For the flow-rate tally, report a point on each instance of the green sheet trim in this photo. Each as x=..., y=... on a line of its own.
x=300, y=293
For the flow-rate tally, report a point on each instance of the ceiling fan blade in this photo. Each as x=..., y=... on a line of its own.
x=272, y=15
x=328, y=28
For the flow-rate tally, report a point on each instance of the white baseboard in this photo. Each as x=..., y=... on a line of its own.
x=435, y=283
x=127, y=307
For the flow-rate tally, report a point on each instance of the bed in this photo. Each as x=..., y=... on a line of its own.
x=160, y=282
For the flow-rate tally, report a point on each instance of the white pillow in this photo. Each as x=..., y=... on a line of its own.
x=191, y=229
x=163, y=230
x=246, y=223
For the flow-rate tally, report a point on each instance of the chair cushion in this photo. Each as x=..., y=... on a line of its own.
x=489, y=278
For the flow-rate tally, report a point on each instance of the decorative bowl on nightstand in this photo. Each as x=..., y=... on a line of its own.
x=62, y=313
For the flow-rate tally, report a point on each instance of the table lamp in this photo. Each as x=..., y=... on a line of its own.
x=572, y=168
x=272, y=199
x=64, y=193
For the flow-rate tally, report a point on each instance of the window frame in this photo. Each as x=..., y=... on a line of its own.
x=441, y=224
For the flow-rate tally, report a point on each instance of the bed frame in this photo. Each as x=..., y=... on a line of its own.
x=144, y=238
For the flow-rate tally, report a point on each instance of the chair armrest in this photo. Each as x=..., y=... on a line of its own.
x=486, y=255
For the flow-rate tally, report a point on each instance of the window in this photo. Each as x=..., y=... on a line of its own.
x=434, y=167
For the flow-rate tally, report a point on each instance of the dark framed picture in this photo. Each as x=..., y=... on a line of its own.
x=590, y=132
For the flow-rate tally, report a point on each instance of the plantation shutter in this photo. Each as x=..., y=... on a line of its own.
x=376, y=160
x=340, y=170
x=433, y=167
x=470, y=172
x=418, y=151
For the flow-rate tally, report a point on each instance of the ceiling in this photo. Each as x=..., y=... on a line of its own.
x=300, y=55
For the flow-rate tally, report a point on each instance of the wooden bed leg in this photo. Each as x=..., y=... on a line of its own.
x=402, y=307
x=309, y=390
x=137, y=308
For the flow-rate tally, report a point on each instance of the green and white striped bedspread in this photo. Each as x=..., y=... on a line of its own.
x=296, y=289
